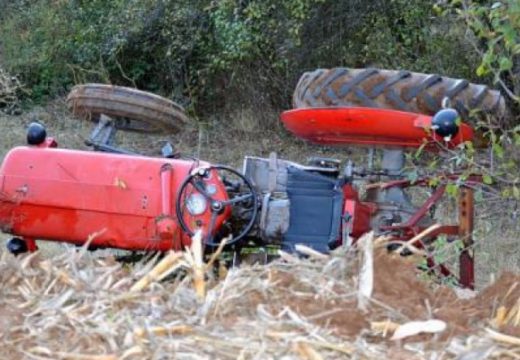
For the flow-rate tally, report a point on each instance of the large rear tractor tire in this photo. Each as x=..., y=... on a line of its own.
x=391, y=89
x=133, y=109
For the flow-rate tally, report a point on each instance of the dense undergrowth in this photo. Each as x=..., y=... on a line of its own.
x=211, y=55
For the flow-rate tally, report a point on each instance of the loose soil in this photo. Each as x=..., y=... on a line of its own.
x=399, y=287
x=76, y=305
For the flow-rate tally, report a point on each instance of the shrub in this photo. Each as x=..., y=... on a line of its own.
x=211, y=55
x=495, y=26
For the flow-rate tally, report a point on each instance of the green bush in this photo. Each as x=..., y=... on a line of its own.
x=139, y=43
x=210, y=55
x=494, y=32
x=495, y=26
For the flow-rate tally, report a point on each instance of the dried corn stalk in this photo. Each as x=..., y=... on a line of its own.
x=366, y=273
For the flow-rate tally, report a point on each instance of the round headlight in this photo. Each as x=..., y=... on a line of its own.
x=196, y=204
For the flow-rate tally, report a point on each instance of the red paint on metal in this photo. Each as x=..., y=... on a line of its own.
x=356, y=213
x=49, y=142
x=466, y=257
x=367, y=126
x=407, y=230
x=467, y=268
x=31, y=244
x=421, y=212
x=166, y=189
x=67, y=195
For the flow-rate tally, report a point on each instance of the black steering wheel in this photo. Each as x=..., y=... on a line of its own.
x=197, y=182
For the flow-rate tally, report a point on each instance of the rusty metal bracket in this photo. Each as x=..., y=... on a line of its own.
x=466, y=257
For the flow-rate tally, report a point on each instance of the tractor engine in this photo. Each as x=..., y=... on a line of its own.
x=318, y=205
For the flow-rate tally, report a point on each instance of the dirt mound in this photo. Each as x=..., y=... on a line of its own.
x=76, y=305
x=399, y=295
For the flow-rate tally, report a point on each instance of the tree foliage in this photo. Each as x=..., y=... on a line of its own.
x=495, y=26
x=493, y=30
x=213, y=54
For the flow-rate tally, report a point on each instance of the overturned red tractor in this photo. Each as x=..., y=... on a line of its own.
x=134, y=202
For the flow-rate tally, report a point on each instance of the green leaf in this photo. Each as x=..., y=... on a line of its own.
x=452, y=190
x=458, y=121
x=434, y=181
x=498, y=150
x=505, y=64
x=470, y=149
x=420, y=150
x=479, y=195
x=516, y=192
x=516, y=139
x=437, y=9
x=486, y=179
x=412, y=176
x=482, y=70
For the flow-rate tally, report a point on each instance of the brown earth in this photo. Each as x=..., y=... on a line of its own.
x=75, y=305
x=398, y=286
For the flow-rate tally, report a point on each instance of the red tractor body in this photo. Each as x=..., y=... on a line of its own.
x=67, y=195
x=142, y=203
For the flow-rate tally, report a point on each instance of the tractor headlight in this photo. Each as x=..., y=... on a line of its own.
x=196, y=204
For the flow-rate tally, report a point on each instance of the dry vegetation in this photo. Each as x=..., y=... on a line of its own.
x=78, y=306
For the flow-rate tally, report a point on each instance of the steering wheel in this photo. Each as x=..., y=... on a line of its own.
x=197, y=182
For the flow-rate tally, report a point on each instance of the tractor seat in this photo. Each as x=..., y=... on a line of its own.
x=315, y=213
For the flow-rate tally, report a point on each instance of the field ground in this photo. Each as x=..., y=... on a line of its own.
x=74, y=305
